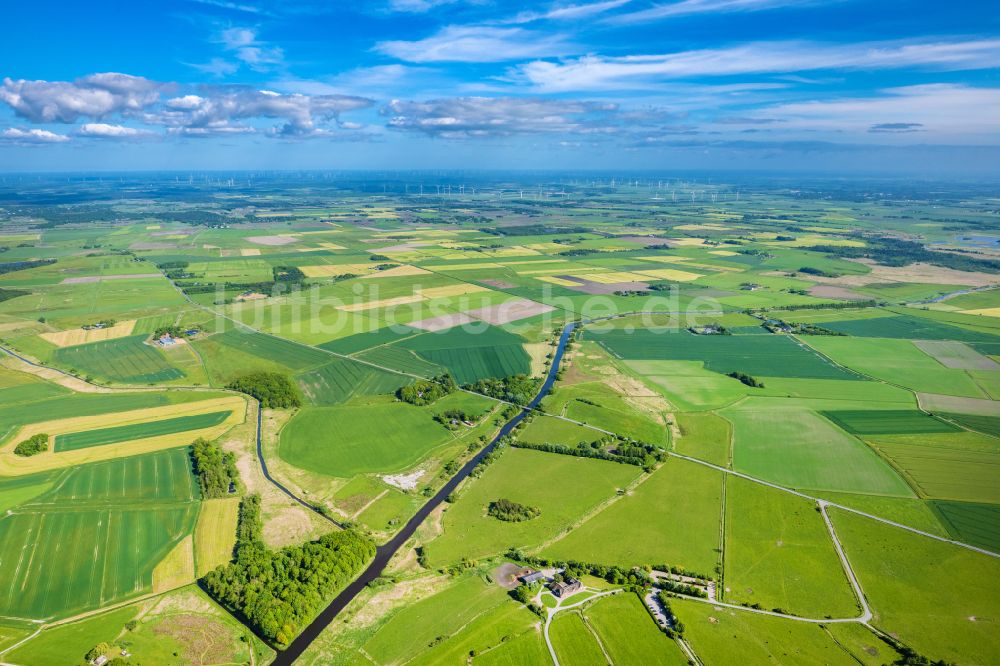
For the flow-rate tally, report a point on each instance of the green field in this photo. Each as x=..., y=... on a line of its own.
x=706, y=436
x=403, y=360
x=725, y=636
x=341, y=379
x=796, y=447
x=271, y=348
x=629, y=634
x=897, y=361
x=364, y=435
x=779, y=554
x=563, y=487
x=353, y=344
x=948, y=466
x=976, y=524
x=671, y=518
x=101, y=436
x=758, y=355
x=127, y=360
x=908, y=328
x=985, y=424
x=470, y=356
x=125, y=514
x=936, y=597
x=887, y=422
x=574, y=642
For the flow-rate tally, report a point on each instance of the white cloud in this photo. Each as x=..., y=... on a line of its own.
x=941, y=112
x=629, y=72
x=567, y=12
x=244, y=45
x=95, y=96
x=32, y=135
x=481, y=117
x=477, y=44
x=223, y=111
x=686, y=7
x=106, y=131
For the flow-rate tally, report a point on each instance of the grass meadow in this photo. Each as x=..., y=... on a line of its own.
x=779, y=554
x=368, y=435
x=938, y=598
x=563, y=487
x=670, y=518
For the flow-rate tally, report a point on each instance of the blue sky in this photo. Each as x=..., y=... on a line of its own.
x=811, y=85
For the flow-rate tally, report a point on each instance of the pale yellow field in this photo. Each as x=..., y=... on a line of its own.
x=686, y=242
x=331, y=246
x=558, y=269
x=398, y=271
x=614, y=277
x=177, y=568
x=538, y=352
x=329, y=270
x=79, y=336
x=559, y=281
x=249, y=252
x=8, y=238
x=700, y=227
x=665, y=259
x=382, y=303
x=532, y=262
x=152, y=227
x=14, y=465
x=989, y=312
x=464, y=267
x=671, y=274
x=807, y=241
x=215, y=533
x=452, y=290
x=723, y=253
x=512, y=251
x=546, y=247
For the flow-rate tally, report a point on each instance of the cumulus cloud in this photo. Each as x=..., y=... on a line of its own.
x=120, y=132
x=595, y=72
x=476, y=117
x=96, y=96
x=33, y=135
x=225, y=110
x=457, y=43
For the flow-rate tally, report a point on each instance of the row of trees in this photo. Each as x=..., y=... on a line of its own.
x=898, y=252
x=215, y=469
x=749, y=380
x=272, y=389
x=620, y=450
x=277, y=592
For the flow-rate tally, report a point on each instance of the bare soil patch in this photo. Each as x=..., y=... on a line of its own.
x=499, y=284
x=442, y=322
x=272, y=240
x=504, y=313
x=833, y=291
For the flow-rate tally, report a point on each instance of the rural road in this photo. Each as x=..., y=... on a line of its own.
x=550, y=613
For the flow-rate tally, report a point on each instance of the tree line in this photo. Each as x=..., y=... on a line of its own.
x=426, y=391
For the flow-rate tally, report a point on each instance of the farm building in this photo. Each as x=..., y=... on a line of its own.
x=166, y=340
x=566, y=587
x=529, y=576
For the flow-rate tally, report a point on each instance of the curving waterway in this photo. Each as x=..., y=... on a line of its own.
x=385, y=552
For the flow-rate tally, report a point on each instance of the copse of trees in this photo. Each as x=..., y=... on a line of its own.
x=272, y=389
x=749, y=380
x=518, y=389
x=426, y=391
x=215, y=469
x=277, y=592
x=512, y=512
x=612, y=448
x=33, y=445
